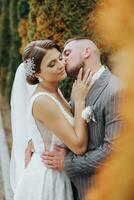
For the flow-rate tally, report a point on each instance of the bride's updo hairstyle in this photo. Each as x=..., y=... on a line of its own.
x=33, y=56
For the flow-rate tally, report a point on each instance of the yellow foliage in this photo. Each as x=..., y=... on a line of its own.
x=42, y=24
x=115, y=24
x=22, y=29
x=118, y=28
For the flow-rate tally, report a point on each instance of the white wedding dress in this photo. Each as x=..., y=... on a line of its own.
x=38, y=182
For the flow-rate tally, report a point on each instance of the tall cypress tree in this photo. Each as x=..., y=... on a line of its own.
x=4, y=43
x=0, y=6
x=15, y=58
x=23, y=11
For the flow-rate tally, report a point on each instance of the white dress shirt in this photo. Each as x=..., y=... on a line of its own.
x=98, y=74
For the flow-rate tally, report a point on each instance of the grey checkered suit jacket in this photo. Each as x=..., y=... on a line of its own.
x=105, y=99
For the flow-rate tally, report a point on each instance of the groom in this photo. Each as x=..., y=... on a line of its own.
x=104, y=98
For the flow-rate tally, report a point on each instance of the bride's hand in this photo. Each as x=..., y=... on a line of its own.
x=81, y=86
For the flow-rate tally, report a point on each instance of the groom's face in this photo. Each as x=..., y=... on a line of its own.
x=73, y=59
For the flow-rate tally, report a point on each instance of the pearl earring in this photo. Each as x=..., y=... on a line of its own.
x=40, y=79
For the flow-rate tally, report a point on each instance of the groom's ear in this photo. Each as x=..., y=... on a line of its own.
x=87, y=53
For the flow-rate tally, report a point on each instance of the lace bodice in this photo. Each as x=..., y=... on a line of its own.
x=44, y=138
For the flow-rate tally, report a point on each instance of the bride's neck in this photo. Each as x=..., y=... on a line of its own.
x=49, y=86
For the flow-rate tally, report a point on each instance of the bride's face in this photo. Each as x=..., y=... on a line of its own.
x=53, y=66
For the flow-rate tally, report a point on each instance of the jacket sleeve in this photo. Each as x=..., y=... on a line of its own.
x=80, y=165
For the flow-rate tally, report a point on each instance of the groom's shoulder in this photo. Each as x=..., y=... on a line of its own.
x=115, y=83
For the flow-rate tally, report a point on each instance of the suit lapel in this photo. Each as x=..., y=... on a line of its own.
x=98, y=87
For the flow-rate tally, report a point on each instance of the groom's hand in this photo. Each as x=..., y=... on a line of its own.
x=28, y=152
x=54, y=159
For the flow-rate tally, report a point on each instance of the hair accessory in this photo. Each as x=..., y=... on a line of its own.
x=30, y=66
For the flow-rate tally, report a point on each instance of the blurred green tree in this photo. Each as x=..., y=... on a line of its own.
x=0, y=6
x=15, y=58
x=4, y=43
x=22, y=9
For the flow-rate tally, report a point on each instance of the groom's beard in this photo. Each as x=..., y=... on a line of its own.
x=73, y=72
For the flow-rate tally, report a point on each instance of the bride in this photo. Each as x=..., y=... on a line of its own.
x=41, y=113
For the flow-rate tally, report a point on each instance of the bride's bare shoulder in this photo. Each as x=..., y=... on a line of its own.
x=45, y=106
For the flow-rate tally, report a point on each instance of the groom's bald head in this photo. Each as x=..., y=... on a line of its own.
x=83, y=43
x=80, y=52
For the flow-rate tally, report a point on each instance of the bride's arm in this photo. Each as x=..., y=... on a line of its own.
x=45, y=110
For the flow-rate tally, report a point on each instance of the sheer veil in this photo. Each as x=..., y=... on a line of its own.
x=21, y=92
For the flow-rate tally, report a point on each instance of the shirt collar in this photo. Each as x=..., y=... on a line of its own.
x=98, y=73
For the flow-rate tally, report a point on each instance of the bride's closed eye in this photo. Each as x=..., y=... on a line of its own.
x=52, y=63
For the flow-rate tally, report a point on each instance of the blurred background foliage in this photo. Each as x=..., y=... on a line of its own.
x=22, y=21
